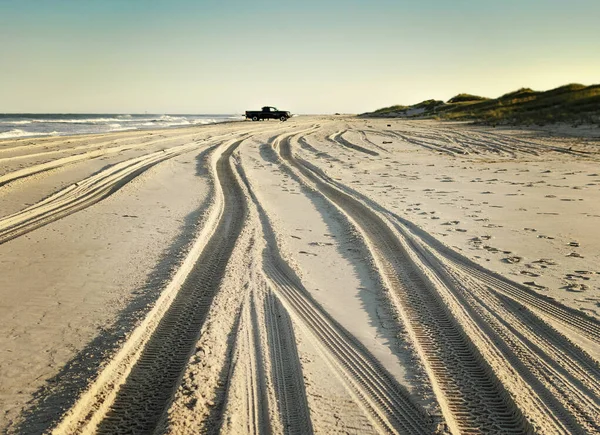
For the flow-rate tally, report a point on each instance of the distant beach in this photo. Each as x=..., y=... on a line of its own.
x=51, y=124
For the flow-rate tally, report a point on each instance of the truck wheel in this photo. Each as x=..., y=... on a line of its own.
x=283, y=118
x=255, y=118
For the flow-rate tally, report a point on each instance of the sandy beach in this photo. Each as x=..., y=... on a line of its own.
x=327, y=274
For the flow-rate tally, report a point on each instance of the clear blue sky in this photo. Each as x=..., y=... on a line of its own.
x=307, y=56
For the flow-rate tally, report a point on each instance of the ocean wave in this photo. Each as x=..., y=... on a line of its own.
x=171, y=118
x=119, y=127
x=49, y=124
x=205, y=121
x=21, y=133
x=81, y=121
x=175, y=123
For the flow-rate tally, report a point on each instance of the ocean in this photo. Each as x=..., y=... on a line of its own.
x=14, y=125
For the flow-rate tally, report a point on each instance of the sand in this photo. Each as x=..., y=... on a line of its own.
x=326, y=275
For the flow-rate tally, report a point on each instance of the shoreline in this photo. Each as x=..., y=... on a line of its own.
x=37, y=135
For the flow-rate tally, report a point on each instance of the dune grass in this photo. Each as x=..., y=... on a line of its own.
x=573, y=103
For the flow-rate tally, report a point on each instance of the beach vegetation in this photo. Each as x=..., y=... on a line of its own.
x=460, y=98
x=573, y=103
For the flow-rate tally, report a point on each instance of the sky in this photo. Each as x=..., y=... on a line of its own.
x=305, y=56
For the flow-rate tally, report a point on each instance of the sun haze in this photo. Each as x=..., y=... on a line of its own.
x=307, y=56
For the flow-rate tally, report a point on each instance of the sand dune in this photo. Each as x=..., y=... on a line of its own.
x=322, y=275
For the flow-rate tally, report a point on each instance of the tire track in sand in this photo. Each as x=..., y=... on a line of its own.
x=248, y=369
x=84, y=193
x=553, y=380
x=287, y=371
x=147, y=393
x=570, y=317
x=73, y=145
x=338, y=139
x=134, y=391
x=471, y=396
x=58, y=163
x=387, y=404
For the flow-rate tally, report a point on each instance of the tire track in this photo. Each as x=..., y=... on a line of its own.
x=365, y=138
x=557, y=380
x=430, y=146
x=386, y=403
x=533, y=147
x=249, y=370
x=320, y=154
x=287, y=371
x=58, y=163
x=558, y=385
x=572, y=318
x=135, y=390
x=147, y=393
x=83, y=193
x=73, y=145
x=338, y=139
x=471, y=396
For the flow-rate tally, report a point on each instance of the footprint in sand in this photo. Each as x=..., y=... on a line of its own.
x=575, y=287
x=573, y=244
x=574, y=277
x=307, y=253
x=533, y=230
x=320, y=244
x=574, y=255
x=535, y=285
x=531, y=274
x=512, y=260
x=543, y=263
x=451, y=223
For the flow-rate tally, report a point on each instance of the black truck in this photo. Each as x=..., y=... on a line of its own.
x=268, y=112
